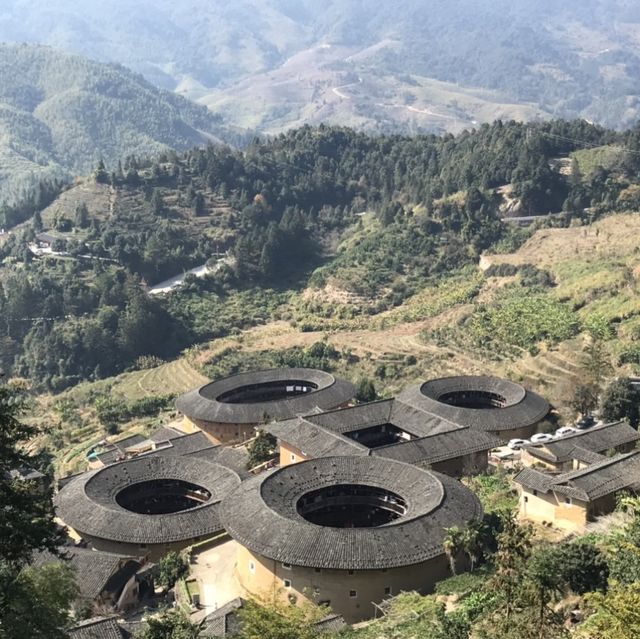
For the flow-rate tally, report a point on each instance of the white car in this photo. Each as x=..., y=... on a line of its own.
x=541, y=438
x=566, y=430
x=517, y=444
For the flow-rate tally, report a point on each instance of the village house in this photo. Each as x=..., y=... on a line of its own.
x=576, y=450
x=572, y=499
x=106, y=581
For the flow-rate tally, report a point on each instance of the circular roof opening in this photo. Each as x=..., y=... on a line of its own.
x=351, y=506
x=162, y=496
x=270, y=391
x=479, y=399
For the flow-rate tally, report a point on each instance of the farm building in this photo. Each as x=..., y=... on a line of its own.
x=570, y=500
x=228, y=410
x=345, y=531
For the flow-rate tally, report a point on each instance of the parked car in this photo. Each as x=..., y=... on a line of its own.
x=564, y=431
x=585, y=422
x=541, y=438
x=517, y=444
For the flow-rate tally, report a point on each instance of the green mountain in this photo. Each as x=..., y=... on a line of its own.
x=60, y=113
x=421, y=65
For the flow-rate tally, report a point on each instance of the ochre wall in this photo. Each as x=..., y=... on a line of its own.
x=220, y=433
x=549, y=507
x=334, y=586
x=290, y=454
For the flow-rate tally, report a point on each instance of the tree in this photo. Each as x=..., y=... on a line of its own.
x=514, y=548
x=171, y=567
x=27, y=524
x=27, y=521
x=365, y=390
x=267, y=618
x=616, y=613
x=261, y=449
x=171, y=624
x=100, y=174
x=621, y=400
x=81, y=219
x=452, y=545
x=49, y=590
x=156, y=203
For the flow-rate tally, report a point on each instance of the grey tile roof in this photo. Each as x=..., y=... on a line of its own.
x=605, y=477
x=261, y=514
x=165, y=433
x=522, y=408
x=598, y=439
x=440, y=447
x=313, y=440
x=203, y=403
x=97, y=628
x=224, y=621
x=88, y=502
x=95, y=571
x=323, y=435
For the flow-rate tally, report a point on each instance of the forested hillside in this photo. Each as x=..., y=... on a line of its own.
x=60, y=114
x=377, y=219
x=413, y=64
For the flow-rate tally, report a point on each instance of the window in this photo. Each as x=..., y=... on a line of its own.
x=318, y=569
x=567, y=500
x=293, y=457
x=287, y=583
x=252, y=566
x=143, y=546
x=353, y=594
x=526, y=499
x=286, y=566
x=387, y=590
x=351, y=572
x=535, y=493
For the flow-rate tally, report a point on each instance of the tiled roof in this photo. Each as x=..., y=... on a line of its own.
x=597, y=439
x=605, y=477
x=95, y=571
x=440, y=447
x=261, y=514
x=324, y=435
x=203, y=403
x=88, y=503
x=97, y=628
x=522, y=407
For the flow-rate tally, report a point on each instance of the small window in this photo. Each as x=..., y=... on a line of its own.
x=567, y=500
x=286, y=566
x=287, y=583
x=252, y=566
x=293, y=457
x=526, y=499
x=143, y=546
x=387, y=590
x=535, y=493
x=353, y=594
x=351, y=572
x=318, y=569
